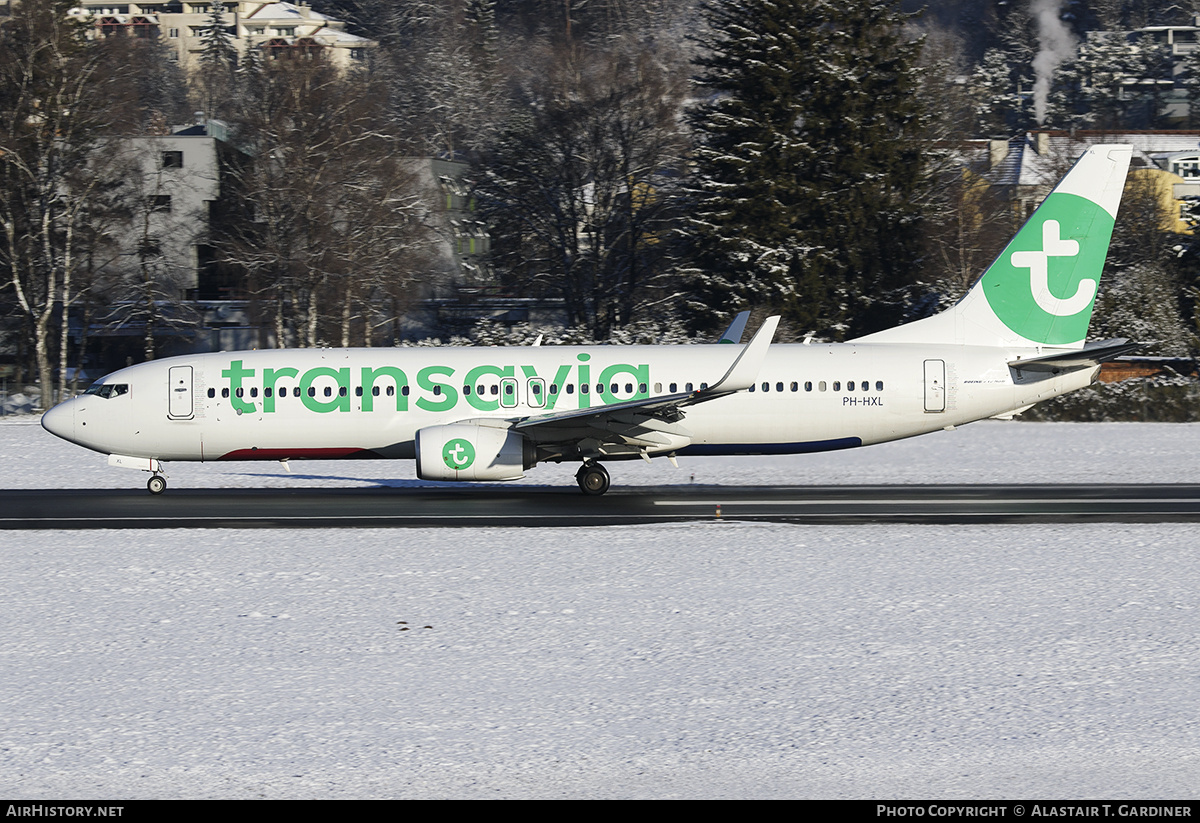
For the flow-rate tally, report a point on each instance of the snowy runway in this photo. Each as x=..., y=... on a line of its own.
x=705, y=660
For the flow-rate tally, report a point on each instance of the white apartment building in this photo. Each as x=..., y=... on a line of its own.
x=278, y=29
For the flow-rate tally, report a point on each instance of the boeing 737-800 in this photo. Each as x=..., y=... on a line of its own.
x=1015, y=339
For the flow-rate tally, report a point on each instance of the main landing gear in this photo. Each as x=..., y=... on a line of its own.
x=592, y=478
x=157, y=484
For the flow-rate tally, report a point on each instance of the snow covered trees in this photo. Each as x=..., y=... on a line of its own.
x=809, y=168
x=51, y=110
x=581, y=194
x=332, y=220
x=218, y=59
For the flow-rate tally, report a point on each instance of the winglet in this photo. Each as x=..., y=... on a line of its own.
x=736, y=329
x=744, y=371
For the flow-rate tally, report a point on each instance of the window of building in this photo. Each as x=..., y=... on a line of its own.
x=1187, y=166
x=159, y=202
x=172, y=159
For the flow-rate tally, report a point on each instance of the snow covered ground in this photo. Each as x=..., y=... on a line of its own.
x=702, y=660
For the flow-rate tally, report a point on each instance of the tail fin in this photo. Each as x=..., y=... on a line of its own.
x=1040, y=290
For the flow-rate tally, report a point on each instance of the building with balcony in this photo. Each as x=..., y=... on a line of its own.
x=279, y=30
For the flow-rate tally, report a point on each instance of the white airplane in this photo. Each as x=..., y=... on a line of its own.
x=1015, y=339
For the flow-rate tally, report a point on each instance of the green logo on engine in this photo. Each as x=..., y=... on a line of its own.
x=458, y=454
x=1044, y=283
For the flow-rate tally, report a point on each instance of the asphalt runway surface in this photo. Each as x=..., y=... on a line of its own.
x=526, y=506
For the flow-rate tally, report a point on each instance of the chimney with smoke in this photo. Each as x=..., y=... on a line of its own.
x=1056, y=45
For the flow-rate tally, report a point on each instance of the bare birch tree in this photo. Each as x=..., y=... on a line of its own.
x=334, y=215
x=50, y=114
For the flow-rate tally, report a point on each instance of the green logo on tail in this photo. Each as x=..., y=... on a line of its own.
x=1042, y=287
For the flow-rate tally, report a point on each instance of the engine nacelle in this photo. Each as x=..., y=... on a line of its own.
x=472, y=451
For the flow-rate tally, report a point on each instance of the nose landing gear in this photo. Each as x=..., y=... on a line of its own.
x=157, y=484
x=592, y=478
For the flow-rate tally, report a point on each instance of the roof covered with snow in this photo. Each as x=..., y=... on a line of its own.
x=1046, y=155
x=285, y=11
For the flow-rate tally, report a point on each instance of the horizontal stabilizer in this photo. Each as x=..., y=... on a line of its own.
x=1093, y=354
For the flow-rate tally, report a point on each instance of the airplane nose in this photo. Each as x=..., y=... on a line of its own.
x=60, y=420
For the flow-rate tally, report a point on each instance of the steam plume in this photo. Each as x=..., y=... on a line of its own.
x=1056, y=44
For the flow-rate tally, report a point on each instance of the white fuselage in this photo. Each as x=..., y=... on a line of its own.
x=327, y=403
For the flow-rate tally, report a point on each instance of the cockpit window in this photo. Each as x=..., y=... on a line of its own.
x=107, y=390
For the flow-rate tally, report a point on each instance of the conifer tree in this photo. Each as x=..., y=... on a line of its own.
x=809, y=168
x=218, y=59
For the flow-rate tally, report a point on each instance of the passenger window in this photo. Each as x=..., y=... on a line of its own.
x=267, y=392
x=688, y=386
x=795, y=386
x=329, y=391
x=480, y=389
x=878, y=385
x=837, y=385
x=808, y=385
x=212, y=393
x=554, y=388
x=312, y=391
x=821, y=386
x=570, y=388
x=674, y=388
x=583, y=388
x=466, y=391
x=779, y=387
x=641, y=388
x=375, y=391
x=495, y=390
x=391, y=391
x=296, y=391
x=657, y=388
x=358, y=391
x=437, y=390
x=341, y=391
x=850, y=386
x=766, y=386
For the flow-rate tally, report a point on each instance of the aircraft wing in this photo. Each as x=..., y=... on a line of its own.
x=652, y=421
